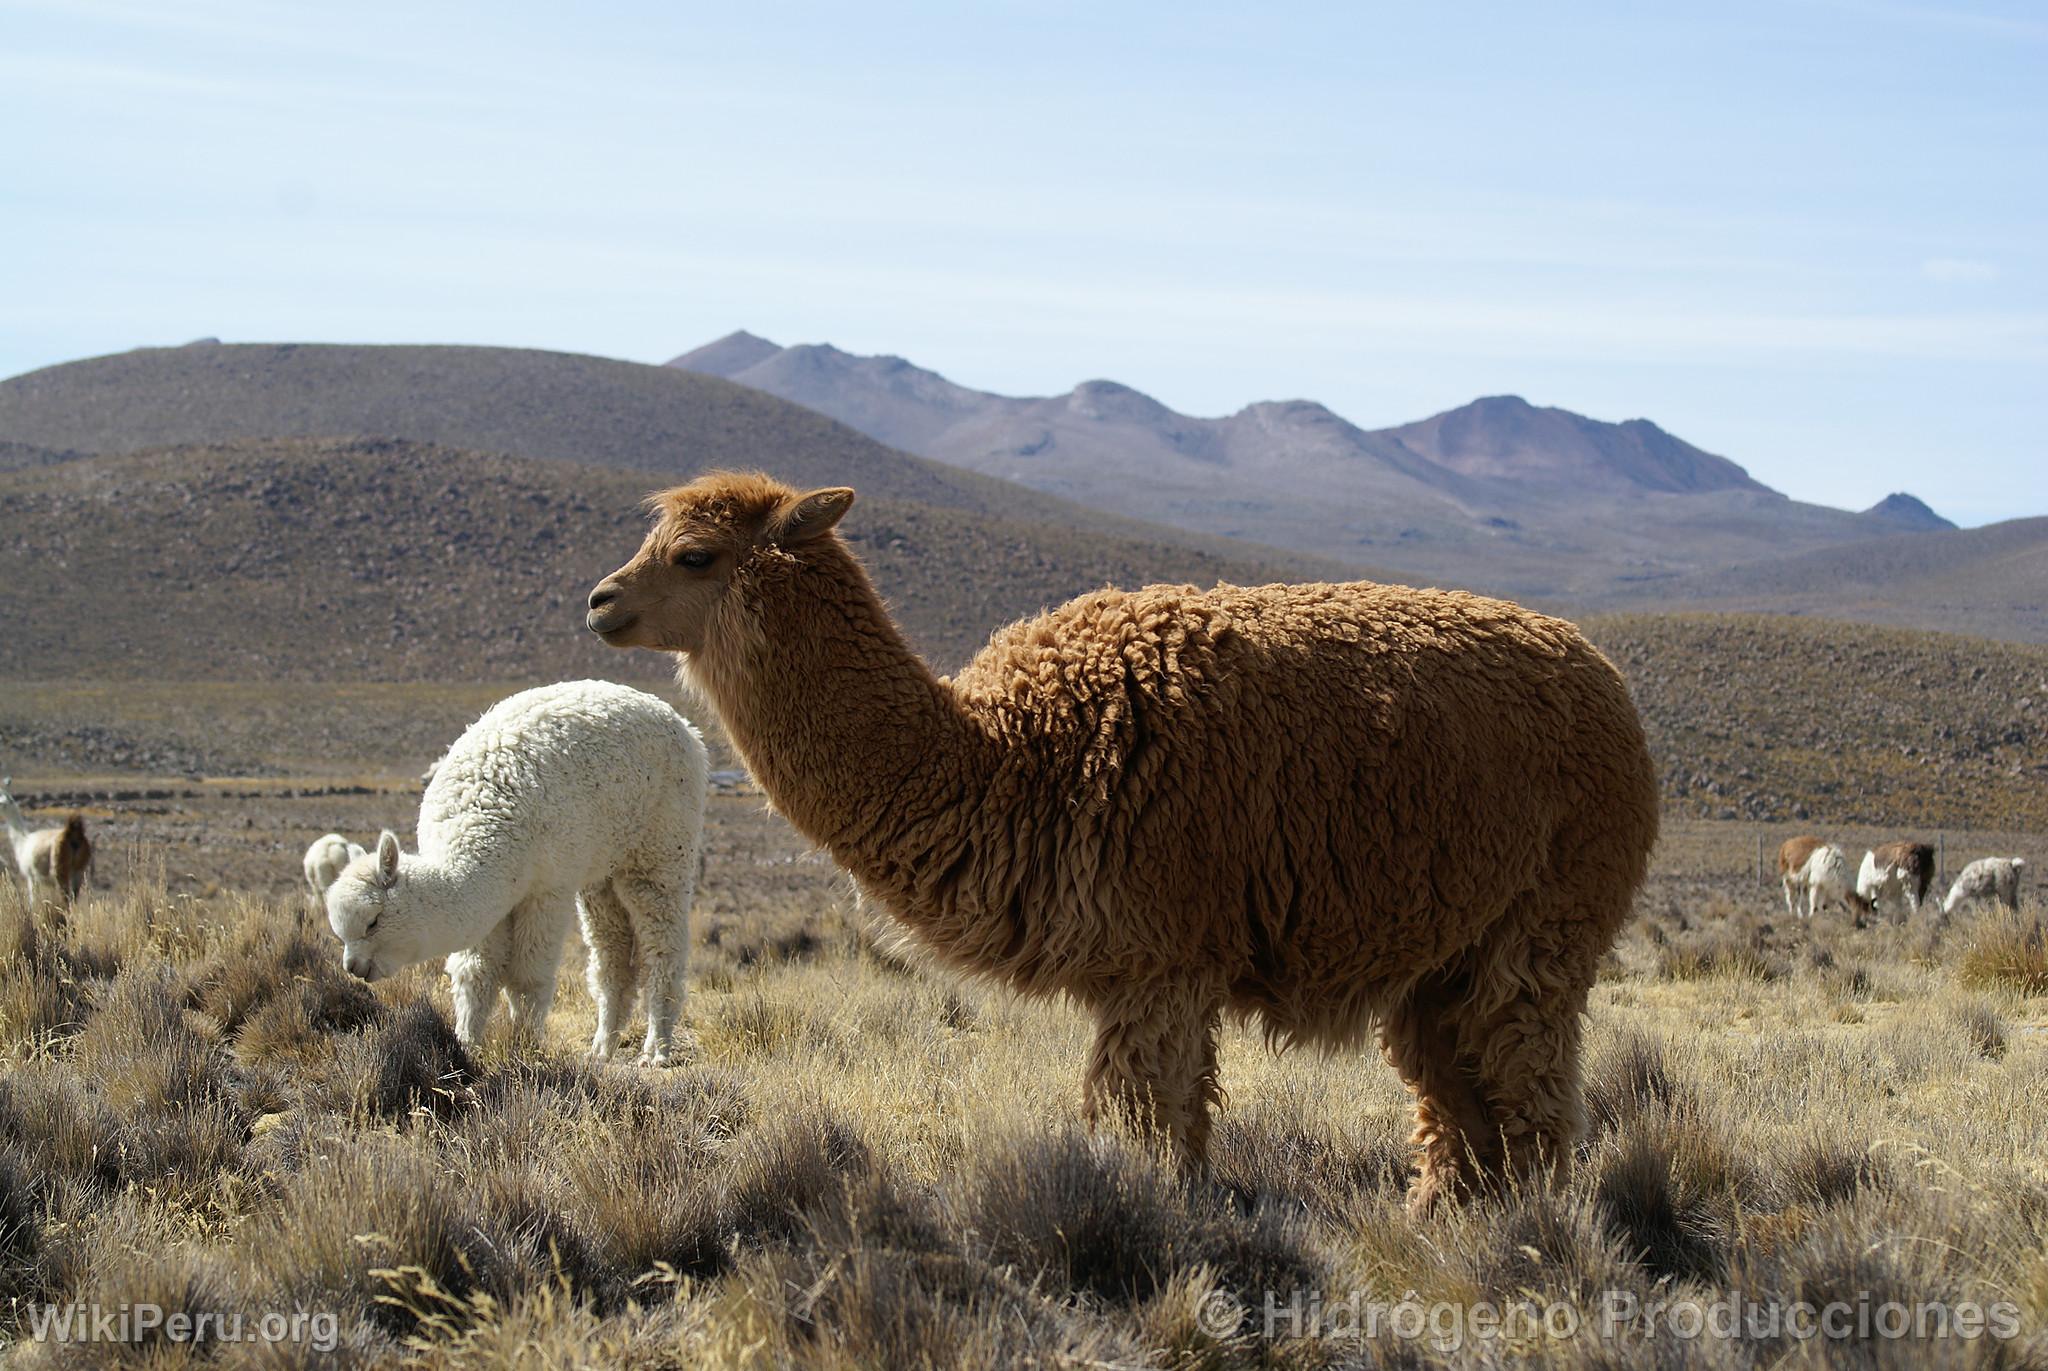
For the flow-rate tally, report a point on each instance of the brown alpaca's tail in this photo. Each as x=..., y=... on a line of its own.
x=74, y=855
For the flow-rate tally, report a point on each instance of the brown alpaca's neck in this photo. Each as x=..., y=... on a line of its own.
x=857, y=743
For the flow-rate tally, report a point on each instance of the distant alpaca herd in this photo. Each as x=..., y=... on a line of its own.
x=1335, y=810
x=1893, y=876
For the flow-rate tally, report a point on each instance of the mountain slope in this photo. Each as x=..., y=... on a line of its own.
x=558, y=406
x=1499, y=494
x=1991, y=580
x=300, y=559
x=549, y=405
x=1785, y=719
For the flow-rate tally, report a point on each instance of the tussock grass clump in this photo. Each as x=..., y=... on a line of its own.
x=380, y=1206
x=22, y=1200
x=1278, y=1158
x=1670, y=1189
x=1981, y=1026
x=1099, y=1214
x=1733, y=958
x=46, y=981
x=2006, y=951
x=277, y=986
x=421, y=1066
x=1628, y=1078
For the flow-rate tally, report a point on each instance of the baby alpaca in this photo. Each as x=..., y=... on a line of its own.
x=1987, y=878
x=325, y=860
x=585, y=796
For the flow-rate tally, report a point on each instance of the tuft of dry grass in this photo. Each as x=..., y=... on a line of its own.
x=2006, y=951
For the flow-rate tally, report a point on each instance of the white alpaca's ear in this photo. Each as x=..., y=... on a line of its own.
x=355, y=850
x=808, y=516
x=387, y=859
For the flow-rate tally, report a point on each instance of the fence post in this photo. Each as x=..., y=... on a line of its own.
x=1941, y=862
x=1759, y=858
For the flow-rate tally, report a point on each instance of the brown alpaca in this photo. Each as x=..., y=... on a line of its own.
x=1322, y=807
x=73, y=857
x=52, y=861
x=1792, y=855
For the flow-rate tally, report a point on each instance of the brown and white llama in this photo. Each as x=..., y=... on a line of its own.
x=1822, y=873
x=52, y=861
x=1326, y=808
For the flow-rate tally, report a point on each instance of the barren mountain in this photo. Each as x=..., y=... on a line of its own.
x=1505, y=438
x=312, y=559
x=1499, y=494
x=1906, y=512
x=1991, y=581
x=550, y=405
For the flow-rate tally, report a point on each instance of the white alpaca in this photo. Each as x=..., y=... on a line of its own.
x=585, y=796
x=326, y=858
x=47, y=868
x=1987, y=878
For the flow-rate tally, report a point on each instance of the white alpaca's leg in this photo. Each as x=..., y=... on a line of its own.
x=613, y=968
x=1790, y=907
x=474, y=975
x=661, y=925
x=537, y=928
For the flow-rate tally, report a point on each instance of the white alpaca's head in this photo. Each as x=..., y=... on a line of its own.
x=369, y=907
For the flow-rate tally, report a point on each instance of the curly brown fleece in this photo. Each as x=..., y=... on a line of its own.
x=73, y=857
x=1327, y=808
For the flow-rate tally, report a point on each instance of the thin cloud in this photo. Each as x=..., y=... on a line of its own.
x=1965, y=270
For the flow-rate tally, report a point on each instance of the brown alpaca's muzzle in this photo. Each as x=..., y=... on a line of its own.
x=608, y=616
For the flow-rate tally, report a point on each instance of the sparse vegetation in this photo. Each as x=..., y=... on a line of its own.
x=1793, y=720
x=872, y=1164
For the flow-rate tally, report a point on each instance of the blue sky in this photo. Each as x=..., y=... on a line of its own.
x=1811, y=236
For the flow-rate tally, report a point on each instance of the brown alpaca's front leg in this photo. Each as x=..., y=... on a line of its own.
x=1153, y=1066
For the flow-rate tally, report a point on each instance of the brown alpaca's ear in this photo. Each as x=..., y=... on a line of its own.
x=805, y=517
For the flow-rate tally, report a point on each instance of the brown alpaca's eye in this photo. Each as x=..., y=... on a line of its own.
x=695, y=558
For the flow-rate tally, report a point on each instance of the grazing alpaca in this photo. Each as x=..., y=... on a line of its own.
x=73, y=858
x=52, y=861
x=1987, y=878
x=1896, y=873
x=584, y=798
x=1792, y=858
x=1325, y=806
x=326, y=858
x=1827, y=878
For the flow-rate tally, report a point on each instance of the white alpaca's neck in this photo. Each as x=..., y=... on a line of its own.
x=18, y=829
x=457, y=902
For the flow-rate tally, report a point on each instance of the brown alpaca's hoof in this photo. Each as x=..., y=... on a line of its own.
x=1427, y=1195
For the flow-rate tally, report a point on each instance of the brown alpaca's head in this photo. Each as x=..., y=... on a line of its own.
x=717, y=533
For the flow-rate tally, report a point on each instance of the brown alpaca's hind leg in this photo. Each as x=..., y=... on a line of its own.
x=1525, y=1039
x=1530, y=1069
x=1455, y=1137
x=1153, y=1065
